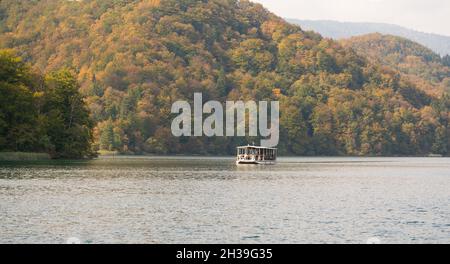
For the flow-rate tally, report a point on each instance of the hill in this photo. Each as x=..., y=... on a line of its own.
x=342, y=30
x=417, y=62
x=133, y=59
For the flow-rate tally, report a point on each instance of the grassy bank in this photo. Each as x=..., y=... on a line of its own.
x=22, y=156
x=108, y=153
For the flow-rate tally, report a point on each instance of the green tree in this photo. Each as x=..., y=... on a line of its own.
x=107, y=138
x=221, y=84
x=252, y=55
x=69, y=125
x=18, y=116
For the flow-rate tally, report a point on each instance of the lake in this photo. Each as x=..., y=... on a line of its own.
x=211, y=200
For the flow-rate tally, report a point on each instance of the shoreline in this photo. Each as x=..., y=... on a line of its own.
x=281, y=156
x=24, y=156
x=31, y=156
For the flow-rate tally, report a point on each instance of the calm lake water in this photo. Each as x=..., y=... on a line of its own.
x=211, y=200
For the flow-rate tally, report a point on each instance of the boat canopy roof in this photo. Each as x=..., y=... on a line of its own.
x=255, y=147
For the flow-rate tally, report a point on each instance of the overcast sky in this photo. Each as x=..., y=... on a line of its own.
x=424, y=15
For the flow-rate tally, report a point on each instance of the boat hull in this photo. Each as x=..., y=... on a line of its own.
x=254, y=162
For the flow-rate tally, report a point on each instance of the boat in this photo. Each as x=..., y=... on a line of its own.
x=248, y=155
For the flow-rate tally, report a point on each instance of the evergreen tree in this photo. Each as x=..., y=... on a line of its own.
x=221, y=84
x=107, y=139
x=69, y=123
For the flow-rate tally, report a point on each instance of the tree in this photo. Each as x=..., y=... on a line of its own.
x=107, y=138
x=326, y=62
x=221, y=84
x=18, y=116
x=69, y=125
x=252, y=55
x=294, y=128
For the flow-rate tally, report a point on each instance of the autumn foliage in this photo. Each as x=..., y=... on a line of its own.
x=134, y=58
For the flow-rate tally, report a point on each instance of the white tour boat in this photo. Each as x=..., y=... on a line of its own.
x=256, y=155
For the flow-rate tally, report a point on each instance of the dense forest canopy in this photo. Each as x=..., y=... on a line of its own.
x=42, y=113
x=428, y=70
x=134, y=58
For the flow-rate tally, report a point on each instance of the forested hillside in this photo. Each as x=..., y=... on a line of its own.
x=134, y=58
x=42, y=113
x=342, y=30
x=429, y=71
